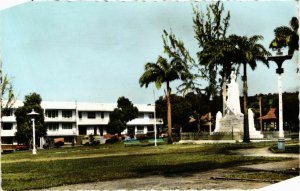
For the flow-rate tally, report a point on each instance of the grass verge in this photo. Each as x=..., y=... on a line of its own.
x=288, y=149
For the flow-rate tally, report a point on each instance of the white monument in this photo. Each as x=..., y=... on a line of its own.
x=254, y=134
x=233, y=119
x=232, y=102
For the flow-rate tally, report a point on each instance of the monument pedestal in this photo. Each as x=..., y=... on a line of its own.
x=230, y=126
x=234, y=124
x=231, y=123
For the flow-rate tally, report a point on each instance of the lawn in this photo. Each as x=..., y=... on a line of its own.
x=55, y=167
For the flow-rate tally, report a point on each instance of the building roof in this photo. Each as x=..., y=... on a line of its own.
x=86, y=106
x=270, y=115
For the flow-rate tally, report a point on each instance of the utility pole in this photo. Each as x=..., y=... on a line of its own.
x=260, y=114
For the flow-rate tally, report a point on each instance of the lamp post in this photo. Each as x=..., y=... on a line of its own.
x=279, y=58
x=32, y=115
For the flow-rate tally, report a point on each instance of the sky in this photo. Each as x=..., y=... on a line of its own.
x=96, y=51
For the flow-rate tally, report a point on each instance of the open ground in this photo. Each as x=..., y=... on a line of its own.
x=209, y=166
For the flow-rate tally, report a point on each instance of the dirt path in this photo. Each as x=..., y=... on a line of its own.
x=194, y=181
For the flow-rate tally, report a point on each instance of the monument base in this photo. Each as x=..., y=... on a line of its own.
x=226, y=136
x=232, y=123
x=230, y=127
x=256, y=135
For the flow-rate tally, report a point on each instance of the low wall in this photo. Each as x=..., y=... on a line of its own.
x=214, y=136
x=269, y=135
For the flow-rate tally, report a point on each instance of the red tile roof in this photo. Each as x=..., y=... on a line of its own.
x=270, y=115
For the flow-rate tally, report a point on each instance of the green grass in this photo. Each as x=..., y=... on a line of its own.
x=55, y=167
x=288, y=149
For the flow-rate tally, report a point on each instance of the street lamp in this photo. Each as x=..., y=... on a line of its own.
x=279, y=58
x=32, y=115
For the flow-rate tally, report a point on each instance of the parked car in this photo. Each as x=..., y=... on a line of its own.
x=93, y=140
x=22, y=147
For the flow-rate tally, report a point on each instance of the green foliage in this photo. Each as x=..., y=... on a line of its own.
x=121, y=115
x=248, y=50
x=163, y=71
x=287, y=37
x=210, y=32
x=185, y=107
x=290, y=108
x=288, y=149
x=7, y=93
x=211, y=25
x=24, y=126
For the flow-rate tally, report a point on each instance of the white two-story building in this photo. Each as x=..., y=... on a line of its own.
x=72, y=120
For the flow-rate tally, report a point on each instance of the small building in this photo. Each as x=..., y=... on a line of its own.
x=269, y=120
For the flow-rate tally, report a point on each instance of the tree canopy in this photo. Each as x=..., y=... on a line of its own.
x=24, y=126
x=7, y=93
x=124, y=112
x=287, y=36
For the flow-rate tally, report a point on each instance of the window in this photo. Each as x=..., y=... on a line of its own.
x=151, y=115
x=7, y=140
x=66, y=113
x=102, y=115
x=7, y=112
x=141, y=115
x=91, y=115
x=150, y=129
x=52, y=113
x=52, y=126
x=80, y=114
x=7, y=126
x=67, y=126
x=140, y=130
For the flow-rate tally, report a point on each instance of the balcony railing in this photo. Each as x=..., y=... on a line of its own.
x=62, y=132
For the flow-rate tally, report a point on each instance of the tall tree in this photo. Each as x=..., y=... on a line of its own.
x=287, y=37
x=161, y=72
x=24, y=126
x=124, y=112
x=7, y=94
x=248, y=53
x=210, y=30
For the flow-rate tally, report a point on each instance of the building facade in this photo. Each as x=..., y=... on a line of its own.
x=72, y=120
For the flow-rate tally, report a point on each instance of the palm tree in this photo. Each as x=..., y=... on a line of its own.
x=287, y=37
x=217, y=53
x=248, y=52
x=164, y=72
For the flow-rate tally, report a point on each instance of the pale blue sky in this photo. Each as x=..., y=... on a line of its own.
x=95, y=52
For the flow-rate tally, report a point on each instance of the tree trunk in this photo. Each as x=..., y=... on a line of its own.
x=245, y=92
x=223, y=94
x=170, y=140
